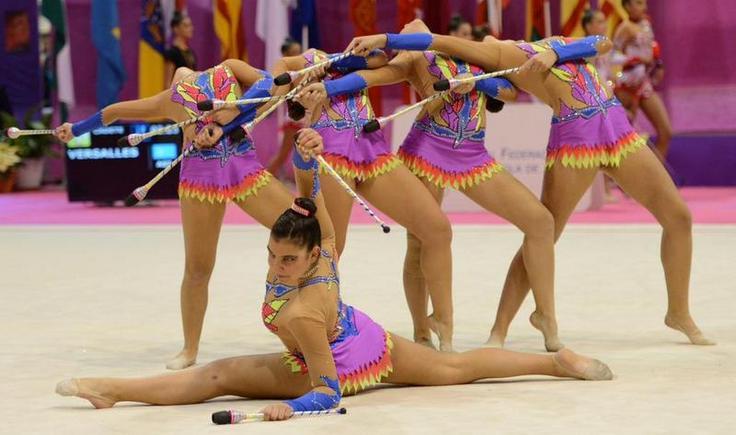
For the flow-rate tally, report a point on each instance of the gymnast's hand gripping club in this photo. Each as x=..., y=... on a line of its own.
x=233, y=417
x=289, y=76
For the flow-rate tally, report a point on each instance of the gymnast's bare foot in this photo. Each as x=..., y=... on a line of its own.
x=85, y=389
x=497, y=339
x=686, y=325
x=185, y=359
x=577, y=366
x=443, y=332
x=548, y=327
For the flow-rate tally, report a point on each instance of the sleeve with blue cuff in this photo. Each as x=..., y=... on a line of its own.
x=352, y=82
x=259, y=89
x=409, y=41
x=585, y=47
x=87, y=125
x=317, y=401
x=492, y=86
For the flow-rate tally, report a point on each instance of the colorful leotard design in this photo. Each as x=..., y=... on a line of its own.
x=462, y=117
x=226, y=171
x=360, y=348
x=447, y=146
x=351, y=152
x=597, y=134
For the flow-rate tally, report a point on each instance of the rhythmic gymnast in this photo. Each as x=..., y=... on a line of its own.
x=209, y=177
x=446, y=148
x=642, y=70
x=590, y=132
x=366, y=162
x=332, y=349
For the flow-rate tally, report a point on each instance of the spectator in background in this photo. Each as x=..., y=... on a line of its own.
x=480, y=32
x=289, y=128
x=642, y=70
x=180, y=54
x=460, y=28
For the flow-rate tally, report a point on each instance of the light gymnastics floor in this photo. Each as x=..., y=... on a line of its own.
x=104, y=301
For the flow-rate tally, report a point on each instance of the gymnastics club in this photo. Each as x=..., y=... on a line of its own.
x=447, y=84
x=232, y=417
x=216, y=104
x=377, y=123
x=134, y=139
x=289, y=76
x=349, y=190
x=239, y=133
x=15, y=132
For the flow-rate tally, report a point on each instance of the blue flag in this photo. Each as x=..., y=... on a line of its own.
x=106, y=39
x=305, y=14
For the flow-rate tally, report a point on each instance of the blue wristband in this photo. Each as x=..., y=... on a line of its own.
x=316, y=401
x=345, y=85
x=89, y=124
x=304, y=165
x=259, y=89
x=492, y=86
x=576, y=50
x=246, y=116
x=409, y=41
x=350, y=63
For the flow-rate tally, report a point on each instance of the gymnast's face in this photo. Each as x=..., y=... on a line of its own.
x=597, y=25
x=636, y=9
x=465, y=31
x=288, y=261
x=185, y=29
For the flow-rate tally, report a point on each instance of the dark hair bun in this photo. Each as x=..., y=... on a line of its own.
x=295, y=109
x=493, y=105
x=307, y=204
x=299, y=229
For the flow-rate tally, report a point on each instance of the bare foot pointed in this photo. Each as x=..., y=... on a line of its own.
x=182, y=361
x=548, y=328
x=687, y=326
x=75, y=387
x=443, y=332
x=581, y=367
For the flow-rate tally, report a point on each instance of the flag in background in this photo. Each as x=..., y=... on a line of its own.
x=571, y=12
x=106, y=39
x=406, y=11
x=614, y=13
x=55, y=11
x=537, y=19
x=229, y=29
x=304, y=17
x=272, y=26
x=151, y=50
x=363, y=16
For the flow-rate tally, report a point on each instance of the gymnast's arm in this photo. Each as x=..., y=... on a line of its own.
x=396, y=71
x=309, y=328
x=306, y=172
x=145, y=109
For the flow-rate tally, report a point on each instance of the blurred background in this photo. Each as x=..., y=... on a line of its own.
x=62, y=60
